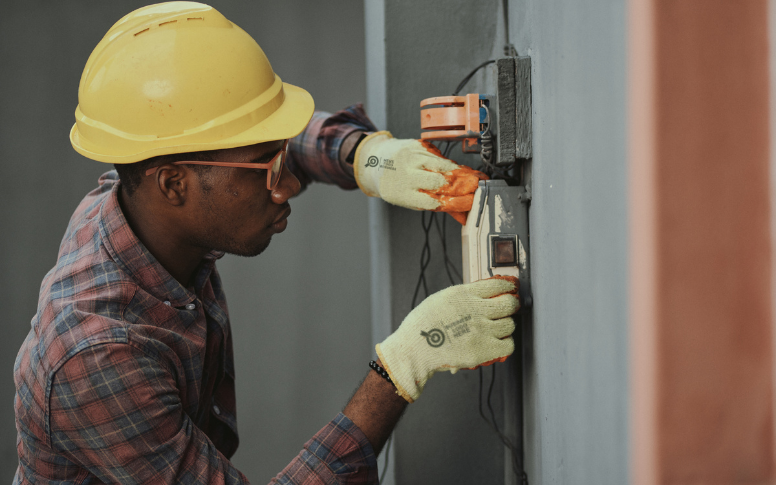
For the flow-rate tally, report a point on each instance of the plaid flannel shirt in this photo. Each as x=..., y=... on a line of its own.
x=128, y=377
x=319, y=146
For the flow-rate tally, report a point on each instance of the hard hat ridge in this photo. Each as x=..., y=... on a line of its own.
x=179, y=77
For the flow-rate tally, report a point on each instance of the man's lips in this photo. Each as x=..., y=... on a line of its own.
x=283, y=215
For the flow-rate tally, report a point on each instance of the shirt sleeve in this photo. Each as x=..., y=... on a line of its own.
x=116, y=411
x=337, y=454
x=314, y=154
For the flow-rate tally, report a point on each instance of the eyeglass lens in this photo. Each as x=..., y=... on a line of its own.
x=277, y=169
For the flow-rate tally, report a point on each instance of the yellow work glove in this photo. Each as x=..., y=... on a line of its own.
x=460, y=327
x=415, y=175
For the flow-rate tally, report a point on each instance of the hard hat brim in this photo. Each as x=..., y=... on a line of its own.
x=289, y=120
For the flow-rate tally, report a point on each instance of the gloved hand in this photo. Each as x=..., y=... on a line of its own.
x=413, y=174
x=463, y=326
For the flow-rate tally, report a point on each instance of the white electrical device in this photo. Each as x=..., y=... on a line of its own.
x=495, y=237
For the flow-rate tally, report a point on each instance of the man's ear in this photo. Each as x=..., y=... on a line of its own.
x=173, y=183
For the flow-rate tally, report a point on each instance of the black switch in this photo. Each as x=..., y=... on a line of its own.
x=504, y=251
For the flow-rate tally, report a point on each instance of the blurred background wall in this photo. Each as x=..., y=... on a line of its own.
x=300, y=311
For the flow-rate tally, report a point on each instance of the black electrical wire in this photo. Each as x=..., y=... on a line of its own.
x=509, y=49
x=486, y=153
x=470, y=75
x=448, y=148
x=449, y=266
x=425, y=257
x=495, y=428
x=425, y=260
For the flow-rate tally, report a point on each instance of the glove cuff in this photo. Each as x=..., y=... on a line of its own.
x=398, y=379
x=365, y=169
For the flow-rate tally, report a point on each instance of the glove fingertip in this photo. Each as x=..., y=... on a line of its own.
x=431, y=148
x=507, y=344
x=437, y=163
x=459, y=216
x=503, y=327
x=490, y=287
x=512, y=279
x=514, y=304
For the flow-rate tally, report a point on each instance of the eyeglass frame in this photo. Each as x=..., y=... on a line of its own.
x=267, y=165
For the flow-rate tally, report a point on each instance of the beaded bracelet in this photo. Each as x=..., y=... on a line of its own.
x=384, y=373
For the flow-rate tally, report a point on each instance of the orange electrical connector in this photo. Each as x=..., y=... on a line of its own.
x=454, y=118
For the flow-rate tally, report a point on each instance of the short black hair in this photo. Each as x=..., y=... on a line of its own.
x=131, y=174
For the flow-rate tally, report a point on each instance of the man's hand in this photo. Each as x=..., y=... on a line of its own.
x=413, y=174
x=464, y=326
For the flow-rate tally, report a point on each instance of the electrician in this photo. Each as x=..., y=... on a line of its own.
x=127, y=373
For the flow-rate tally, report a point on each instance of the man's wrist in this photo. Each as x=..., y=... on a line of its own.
x=347, y=150
x=375, y=408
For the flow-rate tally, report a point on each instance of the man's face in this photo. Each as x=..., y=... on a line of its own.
x=232, y=209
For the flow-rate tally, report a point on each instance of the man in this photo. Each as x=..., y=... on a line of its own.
x=127, y=374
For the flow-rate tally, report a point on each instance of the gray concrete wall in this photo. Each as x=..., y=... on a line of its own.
x=577, y=389
x=300, y=311
x=576, y=348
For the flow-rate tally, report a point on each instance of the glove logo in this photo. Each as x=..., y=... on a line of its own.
x=372, y=161
x=434, y=338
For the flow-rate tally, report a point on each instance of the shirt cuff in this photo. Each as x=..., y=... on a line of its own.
x=314, y=154
x=338, y=453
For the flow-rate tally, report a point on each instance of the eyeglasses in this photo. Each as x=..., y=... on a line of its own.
x=274, y=167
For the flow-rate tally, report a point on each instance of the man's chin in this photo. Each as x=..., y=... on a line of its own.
x=250, y=251
x=243, y=248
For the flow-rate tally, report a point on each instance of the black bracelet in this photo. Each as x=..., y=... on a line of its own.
x=352, y=155
x=384, y=373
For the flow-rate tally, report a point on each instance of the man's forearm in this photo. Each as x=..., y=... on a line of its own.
x=375, y=408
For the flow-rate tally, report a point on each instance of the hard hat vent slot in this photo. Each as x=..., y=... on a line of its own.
x=167, y=23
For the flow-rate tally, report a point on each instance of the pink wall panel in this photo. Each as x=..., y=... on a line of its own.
x=700, y=252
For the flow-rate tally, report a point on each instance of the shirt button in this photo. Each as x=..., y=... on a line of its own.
x=167, y=303
x=216, y=409
x=191, y=306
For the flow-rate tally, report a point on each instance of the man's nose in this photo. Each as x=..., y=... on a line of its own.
x=287, y=187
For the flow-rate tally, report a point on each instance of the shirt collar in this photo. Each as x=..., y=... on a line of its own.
x=135, y=260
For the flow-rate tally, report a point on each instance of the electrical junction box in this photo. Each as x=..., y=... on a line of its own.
x=495, y=237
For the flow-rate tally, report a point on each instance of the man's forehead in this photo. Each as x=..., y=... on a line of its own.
x=249, y=153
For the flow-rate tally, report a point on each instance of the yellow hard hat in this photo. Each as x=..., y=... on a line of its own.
x=179, y=77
